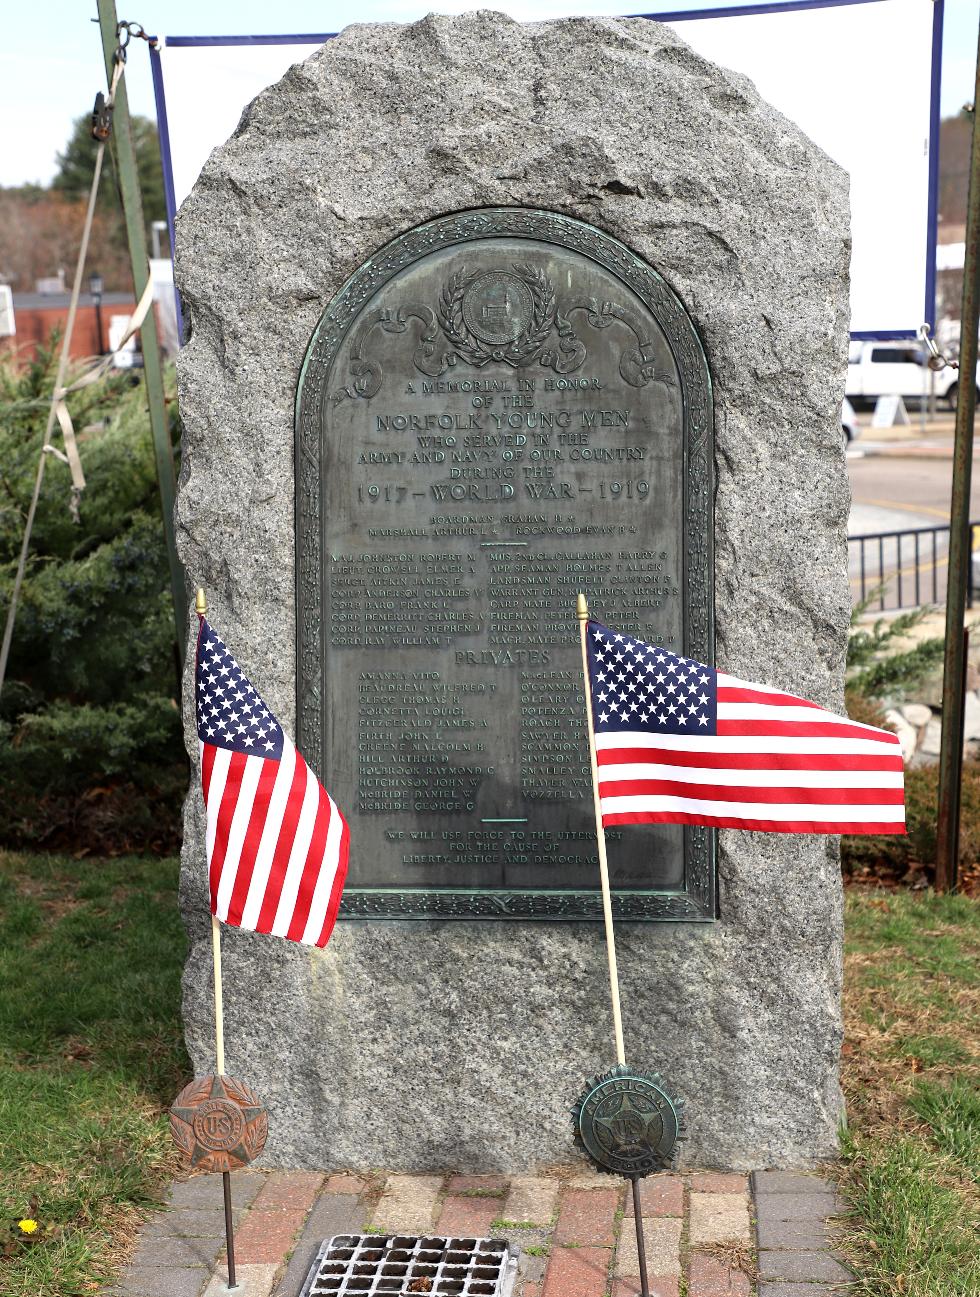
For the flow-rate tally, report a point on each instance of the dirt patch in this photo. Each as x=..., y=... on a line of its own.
x=55, y=904
x=895, y=1034
x=735, y=1256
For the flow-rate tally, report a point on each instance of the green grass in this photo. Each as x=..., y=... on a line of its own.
x=912, y=1080
x=952, y=1113
x=91, y=1055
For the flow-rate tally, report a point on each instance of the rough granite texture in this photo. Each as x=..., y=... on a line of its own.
x=426, y=1045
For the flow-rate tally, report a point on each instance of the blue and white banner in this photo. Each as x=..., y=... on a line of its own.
x=859, y=77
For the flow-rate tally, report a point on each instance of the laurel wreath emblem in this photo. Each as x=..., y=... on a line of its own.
x=523, y=349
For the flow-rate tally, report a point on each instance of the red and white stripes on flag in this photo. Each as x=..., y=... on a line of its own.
x=680, y=743
x=277, y=844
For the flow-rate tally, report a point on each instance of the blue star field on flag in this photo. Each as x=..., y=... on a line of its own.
x=230, y=713
x=679, y=742
x=645, y=687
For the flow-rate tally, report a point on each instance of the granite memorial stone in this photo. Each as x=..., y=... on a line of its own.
x=483, y=313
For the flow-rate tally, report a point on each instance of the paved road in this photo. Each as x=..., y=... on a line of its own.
x=892, y=493
x=914, y=488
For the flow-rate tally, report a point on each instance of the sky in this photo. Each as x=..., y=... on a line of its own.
x=51, y=56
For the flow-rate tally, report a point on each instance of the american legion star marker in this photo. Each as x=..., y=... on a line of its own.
x=218, y=1124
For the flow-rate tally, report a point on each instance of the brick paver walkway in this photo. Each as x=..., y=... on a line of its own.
x=707, y=1234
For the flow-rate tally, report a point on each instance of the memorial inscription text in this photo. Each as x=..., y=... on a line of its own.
x=495, y=413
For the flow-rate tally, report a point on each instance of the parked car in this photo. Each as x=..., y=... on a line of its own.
x=848, y=421
x=896, y=369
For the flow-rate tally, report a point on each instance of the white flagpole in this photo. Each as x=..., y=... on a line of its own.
x=201, y=608
x=583, y=617
x=219, y=1016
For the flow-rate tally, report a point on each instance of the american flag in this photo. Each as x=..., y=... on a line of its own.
x=277, y=844
x=678, y=742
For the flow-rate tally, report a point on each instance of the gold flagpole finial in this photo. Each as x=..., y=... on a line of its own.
x=582, y=608
x=200, y=603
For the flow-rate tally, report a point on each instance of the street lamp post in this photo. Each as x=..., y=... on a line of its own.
x=96, y=284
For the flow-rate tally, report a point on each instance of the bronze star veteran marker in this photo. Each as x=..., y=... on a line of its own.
x=218, y=1124
x=627, y=1123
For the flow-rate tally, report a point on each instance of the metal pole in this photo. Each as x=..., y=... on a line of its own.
x=219, y=1055
x=229, y=1229
x=951, y=749
x=924, y=398
x=956, y=826
x=126, y=170
x=641, y=1250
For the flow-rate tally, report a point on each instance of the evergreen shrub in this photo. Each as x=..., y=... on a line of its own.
x=881, y=673
x=911, y=859
x=91, y=755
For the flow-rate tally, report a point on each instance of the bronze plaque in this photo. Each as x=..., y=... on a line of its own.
x=498, y=410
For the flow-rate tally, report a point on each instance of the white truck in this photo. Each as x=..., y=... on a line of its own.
x=896, y=369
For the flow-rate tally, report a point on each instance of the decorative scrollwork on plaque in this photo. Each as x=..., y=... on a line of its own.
x=497, y=316
x=366, y=374
x=384, y=903
x=637, y=365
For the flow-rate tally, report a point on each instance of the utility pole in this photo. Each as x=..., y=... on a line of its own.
x=960, y=556
x=125, y=158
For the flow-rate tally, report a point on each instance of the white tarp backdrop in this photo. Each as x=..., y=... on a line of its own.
x=856, y=77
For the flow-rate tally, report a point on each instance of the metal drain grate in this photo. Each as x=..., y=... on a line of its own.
x=404, y=1264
